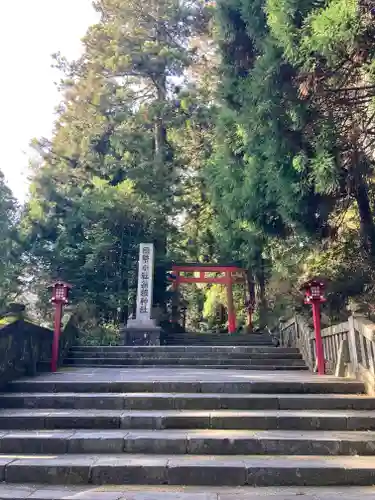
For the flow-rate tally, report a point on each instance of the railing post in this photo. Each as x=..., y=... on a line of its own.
x=296, y=328
x=342, y=359
x=353, y=357
x=281, y=331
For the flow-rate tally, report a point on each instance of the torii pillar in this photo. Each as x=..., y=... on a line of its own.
x=232, y=327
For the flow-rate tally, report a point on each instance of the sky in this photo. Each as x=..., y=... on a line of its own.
x=31, y=31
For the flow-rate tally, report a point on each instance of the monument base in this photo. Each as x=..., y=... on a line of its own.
x=137, y=333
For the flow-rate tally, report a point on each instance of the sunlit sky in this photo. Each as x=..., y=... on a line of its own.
x=31, y=30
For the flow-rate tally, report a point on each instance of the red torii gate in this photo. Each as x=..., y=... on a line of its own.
x=230, y=274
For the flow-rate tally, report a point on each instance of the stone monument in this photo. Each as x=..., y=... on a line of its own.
x=142, y=330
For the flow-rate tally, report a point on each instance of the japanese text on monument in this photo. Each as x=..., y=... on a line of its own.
x=146, y=270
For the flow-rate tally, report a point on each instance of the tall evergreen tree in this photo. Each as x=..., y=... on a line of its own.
x=110, y=178
x=297, y=118
x=331, y=46
x=10, y=248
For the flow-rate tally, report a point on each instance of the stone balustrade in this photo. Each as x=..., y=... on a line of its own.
x=26, y=348
x=349, y=347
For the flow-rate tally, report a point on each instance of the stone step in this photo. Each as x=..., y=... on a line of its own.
x=193, y=442
x=165, y=492
x=196, y=343
x=220, y=342
x=217, y=341
x=189, y=349
x=103, y=363
x=26, y=419
x=224, y=336
x=186, y=401
x=229, y=339
x=259, y=383
x=219, y=470
x=154, y=361
x=165, y=355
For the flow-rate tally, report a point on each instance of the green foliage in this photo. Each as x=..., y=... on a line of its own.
x=331, y=30
x=93, y=332
x=94, y=245
x=7, y=321
x=10, y=248
x=292, y=150
x=215, y=297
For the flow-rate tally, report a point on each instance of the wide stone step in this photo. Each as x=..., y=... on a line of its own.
x=188, y=349
x=188, y=361
x=88, y=364
x=234, y=337
x=228, y=340
x=194, y=442
x=186, y=401
x=262, y=384
x=186, y=355
x=223, y=335
x=223, y=341
x=189, y=419
x=165, y=492
x=218, y=470
x=197, y=343
x=219, y=342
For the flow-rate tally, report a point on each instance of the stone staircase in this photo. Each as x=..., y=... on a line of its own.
x=248, y=357
x=114, y=432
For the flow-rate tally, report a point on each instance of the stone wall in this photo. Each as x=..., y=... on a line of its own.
x=25, y=348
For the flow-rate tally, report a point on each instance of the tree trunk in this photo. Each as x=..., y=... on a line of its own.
x=251, y=287
x=160, y=131
x=365, y=216
x=160, y=128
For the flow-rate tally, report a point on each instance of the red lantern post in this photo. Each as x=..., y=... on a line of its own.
x=314, y=295
x=60, y=294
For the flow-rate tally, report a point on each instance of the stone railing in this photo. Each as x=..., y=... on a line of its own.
x=349, y=348
x=25, y=348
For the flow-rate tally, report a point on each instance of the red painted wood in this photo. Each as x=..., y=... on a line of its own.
x=56, y=337
x=231, y=311
x=318, y=337
x=206, y=269
x=186, y=279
